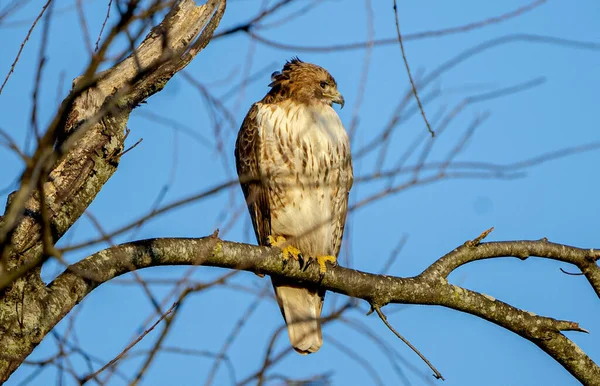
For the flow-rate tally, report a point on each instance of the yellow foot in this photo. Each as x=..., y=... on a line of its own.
x=287, y=250
x=322, y=260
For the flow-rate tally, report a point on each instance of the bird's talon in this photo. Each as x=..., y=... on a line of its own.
x=287, y=251
x=301, y=260
x=308, y=261
x=272, y=241
x=322, y=260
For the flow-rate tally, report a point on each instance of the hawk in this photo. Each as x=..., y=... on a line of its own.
x=295, y=168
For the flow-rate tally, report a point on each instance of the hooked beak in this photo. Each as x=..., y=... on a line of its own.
x=339, y=99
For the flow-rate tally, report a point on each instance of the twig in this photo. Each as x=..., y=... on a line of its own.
x=39, y=73
x=395, y=253
x=12, y=66
x=155, y=213
x=130, y=346
x=412, y=82
x=365, y=69
x=84, y=27
x=389, y=351
x=157, y=346
x=129, y=149
x=476, y=241
x=235, y=332
x=12, y=145
x=246, y=26
x=437, y=374
x=572, y=273
x=288, y=18
x=256, y=76
x=361, y=360
x=103, y=25
x=191, y=287
x=11, y=8
x=388, y=41
x=461, y=144
x=176, y=126
x=137, y=277
x=492, y=167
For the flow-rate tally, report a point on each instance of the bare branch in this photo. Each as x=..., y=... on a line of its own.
x=430, y=287
x=584, y=259
x=383, y=318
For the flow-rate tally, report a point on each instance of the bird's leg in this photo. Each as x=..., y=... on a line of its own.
x=288, y=251
x=322, y=260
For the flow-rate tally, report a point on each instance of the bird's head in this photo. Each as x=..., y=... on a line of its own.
x=305, y=83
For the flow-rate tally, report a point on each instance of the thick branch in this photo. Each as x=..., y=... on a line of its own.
x=90, y=127
x=97, y=118
x=584, y=259
x=431, y=287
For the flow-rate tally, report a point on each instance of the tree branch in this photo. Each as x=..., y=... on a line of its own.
x=430, y=287
x=584, y=259
x=76, y=156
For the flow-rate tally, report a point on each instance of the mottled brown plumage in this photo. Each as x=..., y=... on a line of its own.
x=293, y=160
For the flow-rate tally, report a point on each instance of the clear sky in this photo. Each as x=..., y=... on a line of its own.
x=557, y=199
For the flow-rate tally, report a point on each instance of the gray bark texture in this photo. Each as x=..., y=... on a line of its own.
x=90, y=127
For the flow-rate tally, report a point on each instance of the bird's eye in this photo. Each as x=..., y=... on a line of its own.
x=323, y=84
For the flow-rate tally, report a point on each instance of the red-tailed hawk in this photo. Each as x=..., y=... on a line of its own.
x=293, y=159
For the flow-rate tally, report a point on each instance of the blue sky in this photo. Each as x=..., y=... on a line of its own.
x=557, y=199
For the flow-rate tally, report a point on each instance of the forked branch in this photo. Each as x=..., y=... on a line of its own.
x=430, y=287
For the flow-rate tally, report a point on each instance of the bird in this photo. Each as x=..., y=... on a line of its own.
x=294, y=164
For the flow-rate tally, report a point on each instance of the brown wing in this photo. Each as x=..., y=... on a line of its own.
x=340, y=202
x=247, y=150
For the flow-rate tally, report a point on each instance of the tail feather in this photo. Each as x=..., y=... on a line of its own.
x=301, y=308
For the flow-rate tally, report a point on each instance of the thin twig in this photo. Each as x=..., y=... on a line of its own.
x=365, y=69
x=103, y=25
x=288, y=18
x=437, y=374
x=130, y=346
x=235, y=332
x=361, y=360
x=177, y=126
x=412, y=82
x=155, y=213
x=12, y=145
x=12, y=8
x=137, y=277
x=572, y=273
x=84, y=27
x=129, y=149
x=12, y=66
x=248, y=25
x=461, y=144
x=395, y=253
x=388, y=41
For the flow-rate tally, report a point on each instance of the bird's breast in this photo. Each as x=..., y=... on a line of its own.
x=304, y=155
x=298, y=138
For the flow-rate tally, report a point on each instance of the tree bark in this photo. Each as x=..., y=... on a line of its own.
x=90, y=127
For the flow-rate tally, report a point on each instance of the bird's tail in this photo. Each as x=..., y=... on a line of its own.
x=301, y=308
